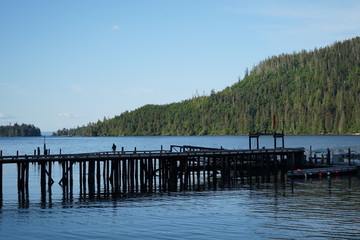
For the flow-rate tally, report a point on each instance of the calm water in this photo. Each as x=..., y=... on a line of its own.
x=327, y=208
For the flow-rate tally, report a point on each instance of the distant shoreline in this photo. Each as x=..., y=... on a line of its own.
x=290, y=134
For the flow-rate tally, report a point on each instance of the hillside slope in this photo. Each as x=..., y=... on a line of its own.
x=314, y=92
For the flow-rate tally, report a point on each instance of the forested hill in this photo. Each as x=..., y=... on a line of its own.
x=16, y=130
x=311, y=92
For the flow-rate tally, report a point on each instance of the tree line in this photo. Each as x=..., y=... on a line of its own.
x=16, y=130
x=311, y=92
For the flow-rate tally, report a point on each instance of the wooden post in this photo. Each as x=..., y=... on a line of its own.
x=27, y=179
x=349, y=157
x=186, y=182
x=223, y=171
x=132, y=175
x=198, y=172
x=115, y=176
x=19, y=177
x=1, y=181
x=151, y=173
x=193, y=172
x=154, y=174
x=107, y=176
x=208, y=171
x=67, y=177
x=274, y=140
x=91, y=178
x=124, y=175
x=84, y=177
x=43, y=182
x=214, y=173
x=98, y=176
x=81, y=179
x=160, y=174
x=141, y=175
x=136, y=175
x=63, y=177
x=71, y=177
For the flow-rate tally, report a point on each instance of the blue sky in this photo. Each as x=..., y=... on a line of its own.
x=67, y=63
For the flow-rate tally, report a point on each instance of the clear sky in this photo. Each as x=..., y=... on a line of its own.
x=70, y=62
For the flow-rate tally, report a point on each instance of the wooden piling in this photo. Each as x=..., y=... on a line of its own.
x=98, y=177
x=1, y=179
x=43, y=181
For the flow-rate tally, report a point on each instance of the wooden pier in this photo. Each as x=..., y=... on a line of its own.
x=121, y=172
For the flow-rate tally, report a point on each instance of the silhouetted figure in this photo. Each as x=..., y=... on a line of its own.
x=113, y=147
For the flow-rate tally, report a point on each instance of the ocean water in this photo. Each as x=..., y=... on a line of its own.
x=327, y=208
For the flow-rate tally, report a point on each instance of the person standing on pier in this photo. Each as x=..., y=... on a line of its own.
x=113, y=147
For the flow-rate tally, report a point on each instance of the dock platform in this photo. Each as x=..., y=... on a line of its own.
x=322, y=172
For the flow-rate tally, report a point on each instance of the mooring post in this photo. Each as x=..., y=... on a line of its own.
x=349, y=157
x=328, y=157
x=1, y=170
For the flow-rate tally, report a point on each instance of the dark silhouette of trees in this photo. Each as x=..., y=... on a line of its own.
x=16, y=130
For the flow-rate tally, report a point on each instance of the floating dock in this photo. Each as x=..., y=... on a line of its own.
x=323, y=172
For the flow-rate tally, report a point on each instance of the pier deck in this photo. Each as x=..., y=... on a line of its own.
x=178, y=169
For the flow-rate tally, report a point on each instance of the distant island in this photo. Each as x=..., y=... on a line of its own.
x=310, y=92
x=16, y=130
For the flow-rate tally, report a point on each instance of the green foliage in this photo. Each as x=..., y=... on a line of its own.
x=23, y=130
x=315, y=92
